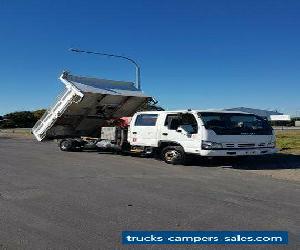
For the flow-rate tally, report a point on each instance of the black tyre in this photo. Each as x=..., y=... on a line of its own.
x=66, y=145
x=173, y=155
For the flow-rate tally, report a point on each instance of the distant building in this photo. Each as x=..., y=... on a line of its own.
x=263, y=113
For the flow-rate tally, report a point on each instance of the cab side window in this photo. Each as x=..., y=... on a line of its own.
x=172, y=121
x=146, y=120
x=186, y=121
x=189, y=123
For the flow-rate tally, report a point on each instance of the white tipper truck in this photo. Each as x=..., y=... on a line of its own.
x=89, y=116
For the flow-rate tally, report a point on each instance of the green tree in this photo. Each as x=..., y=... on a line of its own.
x=21, y=119
x=38, y=113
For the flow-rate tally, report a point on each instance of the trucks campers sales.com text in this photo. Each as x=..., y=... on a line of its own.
x=205, y=237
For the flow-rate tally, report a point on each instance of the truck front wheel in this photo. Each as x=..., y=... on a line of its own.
x=173, y=155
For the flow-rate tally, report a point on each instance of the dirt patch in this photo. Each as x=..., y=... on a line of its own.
x=11, y=136
x=285, y=174
x=278, y=166
x=16, y=133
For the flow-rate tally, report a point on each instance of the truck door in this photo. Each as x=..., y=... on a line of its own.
x=143, y=130
x=183, y=129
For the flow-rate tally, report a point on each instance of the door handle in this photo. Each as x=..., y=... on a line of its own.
x=164, y=133
x=134, y=133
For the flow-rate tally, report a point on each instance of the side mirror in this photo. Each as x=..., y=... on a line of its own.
x=179, y=130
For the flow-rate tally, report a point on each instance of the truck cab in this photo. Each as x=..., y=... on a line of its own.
x=207, y=133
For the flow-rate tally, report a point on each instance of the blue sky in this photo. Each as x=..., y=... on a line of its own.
x=194, y=54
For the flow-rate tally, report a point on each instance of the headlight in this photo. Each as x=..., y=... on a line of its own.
x=211, y=145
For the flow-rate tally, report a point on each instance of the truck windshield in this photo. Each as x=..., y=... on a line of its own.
x=235, y=123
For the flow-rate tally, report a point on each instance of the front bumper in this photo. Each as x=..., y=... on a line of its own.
x=238, y=152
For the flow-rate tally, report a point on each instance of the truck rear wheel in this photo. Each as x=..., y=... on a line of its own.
x=66, y=145
x=173, y=155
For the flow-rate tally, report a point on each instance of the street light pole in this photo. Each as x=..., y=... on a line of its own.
x=137, y=67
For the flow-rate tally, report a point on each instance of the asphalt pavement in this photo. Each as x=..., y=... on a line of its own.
x=84, y=200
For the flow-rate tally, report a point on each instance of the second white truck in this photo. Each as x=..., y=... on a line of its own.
x=174, y=134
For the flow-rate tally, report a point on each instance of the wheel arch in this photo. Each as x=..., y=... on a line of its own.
x=163, y=144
